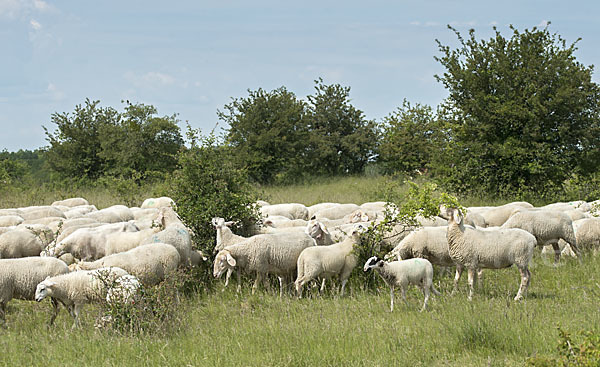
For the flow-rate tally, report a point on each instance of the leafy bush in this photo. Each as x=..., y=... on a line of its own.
x=585, y=353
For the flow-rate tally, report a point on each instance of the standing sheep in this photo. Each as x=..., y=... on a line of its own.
x=225, y=236
x=402, y=273
x=19, y=277
x=78, y=288
x=327, y=261
x=489, y=248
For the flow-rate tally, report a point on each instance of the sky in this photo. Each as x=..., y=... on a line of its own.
x=192, y=57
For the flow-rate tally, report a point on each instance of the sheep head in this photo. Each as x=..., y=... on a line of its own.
x=44, y=289
x=373, y=263
x=223, y=262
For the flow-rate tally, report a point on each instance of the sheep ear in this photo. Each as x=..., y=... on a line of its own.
x=323, y=228
x=230, y=260
x=229, y=224
x=313, y=217
x=268, y=222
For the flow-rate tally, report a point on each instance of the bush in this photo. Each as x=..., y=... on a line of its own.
x=570, y=353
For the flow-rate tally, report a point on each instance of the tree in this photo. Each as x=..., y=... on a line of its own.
x=342, y=141
x=267, y=133
x=522, y=112
x=409, y=139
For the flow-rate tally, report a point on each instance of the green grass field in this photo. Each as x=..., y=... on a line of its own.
x=228, y=329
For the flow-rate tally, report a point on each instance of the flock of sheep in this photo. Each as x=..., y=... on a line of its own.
x=75, y=254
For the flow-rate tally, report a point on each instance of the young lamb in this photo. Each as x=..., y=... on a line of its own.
x=402, y=273
x=263, y=254
x=150, y=263
x=19, y=277
x=548, y=227
x=78, y=288
x=327, y=261
x=489, y=248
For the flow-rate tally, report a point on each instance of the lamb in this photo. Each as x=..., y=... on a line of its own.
x=161, y=202
x=327, y=261
x=20, y=242
x=402, y=273
x=19, y=277
x=71, y=202
x=548, y=227
x=225, y=236
x=149, y=263
x=291, y=211
x=78, y=288
x=489, y=248
x=428, y=243
x=263, y=254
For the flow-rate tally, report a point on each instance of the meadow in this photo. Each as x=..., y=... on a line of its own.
x=223, y=328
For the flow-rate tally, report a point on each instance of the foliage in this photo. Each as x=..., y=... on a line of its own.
x=342, y=140
x=409, y=139
x=403, y=209
x=522, y=113
x=268, y=132
x=208, y=184
x=586, y=353
x=96, y=141
x=11, y=170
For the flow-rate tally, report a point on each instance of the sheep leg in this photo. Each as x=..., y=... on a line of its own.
x=227, y=276
x=459, y=270
x=257, y=282
x=75, y=313
x=298, y=284
x=55, y=310
x=556, y=249
x=479, y=278
x=2, y=312
x=471, y=281
x=391, y=299
x=280, y=286
x=425, y=289
x=525, y=277
x=239, y=280
x=322, y=286
x=403, y=292
x=343, y=286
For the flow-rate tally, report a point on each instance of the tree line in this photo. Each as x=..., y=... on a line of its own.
x=521, y=116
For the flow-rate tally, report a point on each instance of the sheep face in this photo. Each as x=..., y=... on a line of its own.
x=454, y=214
x=358, y=216
x=43, y=290
x=373, y=263
x=220, y=222
x=223, y=262
x=316, y=229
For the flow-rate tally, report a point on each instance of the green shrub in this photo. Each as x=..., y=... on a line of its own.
x=584, y=352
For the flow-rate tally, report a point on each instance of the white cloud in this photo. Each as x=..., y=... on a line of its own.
x=544, y=23
x=10, y=8
x=22, y=8
x=431, y=24
x=35, y=24
x=54, y=93
x=151, y=79
x=41, y=5
x=416, y=23
x=493, y=23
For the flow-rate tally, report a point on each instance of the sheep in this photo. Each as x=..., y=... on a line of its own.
x=496, y=216
x=88, y=243
x=262, y=254
x=175, y=233
x=327, y=261
x=20, y=242
x=402, y=273
x=19, y=277
x=284, y=223
x=11, y=220
x=225, y=236
x=262, y=203
x=587, y=234
x=71, y=202
x=145, y=214
x=336, y=212
x=376, y=206
x=291, y=211
x=427, y=243
x=78, y=288
x=79, y=211
x=113, y=214
x=31, y=213
x=315, y=208
x=490, y=248
x=318, y=231
x=158, y=203
x=123, y=241
x=548, y=227
x=149, y=263
x=576, y=214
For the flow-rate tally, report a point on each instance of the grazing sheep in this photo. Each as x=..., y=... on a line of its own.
x=150, y=263
x=175, y=233
x=20, y=242
x=320, y=206
x=402, y=273
x=19, y=277
x=113, y=214
x=145, y=214
x=78, y=288
x=162, y=202
x=496, y=216
x=40, y=212
x=291, y=211
x=71, y=202
x=10, y=220
x=79, y=211
x=263, y=254
x=318, y=231
x=336, y=212
x=548, y=227
x=587, y=235
x=327, y=261
x=576, y=214
x=284, y=223
x=489, y=248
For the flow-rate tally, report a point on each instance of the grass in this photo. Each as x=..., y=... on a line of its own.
x=230, y=329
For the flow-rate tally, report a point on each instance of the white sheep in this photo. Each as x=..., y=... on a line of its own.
x=113, y=214
x=489, y=248
x=150, y=263
x=72, y=202
x=548, y=227
x=496, y=216
x=78, y=288
x=327, y=261
x=19, y=277
x=10, y=220
x=38, y=212
x=402, y=273
x=79, y=211
x=175, y=233
x=318, y=231
x=291, y=210
x=225, y=236
x=336, y=212
x=263, y=254
x=160, y=202
x=20, y=242
x=320, y=206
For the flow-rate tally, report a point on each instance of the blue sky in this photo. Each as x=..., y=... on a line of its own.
x=191, y=57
